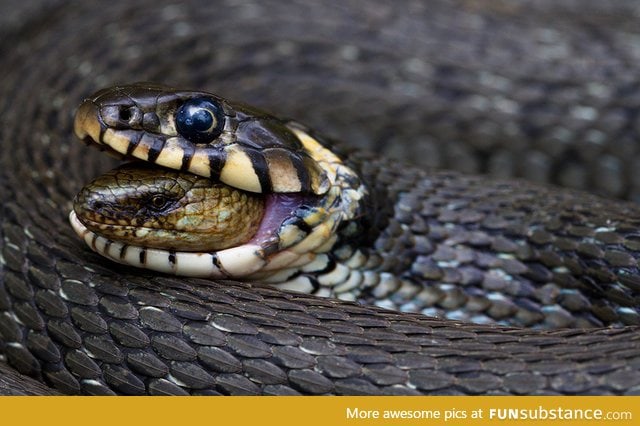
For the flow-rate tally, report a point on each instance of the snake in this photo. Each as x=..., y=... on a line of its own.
x=72, y=322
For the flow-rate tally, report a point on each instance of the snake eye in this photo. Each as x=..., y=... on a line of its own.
x=200, y=120
x=158, y=202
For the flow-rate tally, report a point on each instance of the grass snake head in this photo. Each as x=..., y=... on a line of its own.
x=291, y=194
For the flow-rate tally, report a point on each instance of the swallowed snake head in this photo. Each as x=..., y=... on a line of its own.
x=203, y=134
x=138, y=203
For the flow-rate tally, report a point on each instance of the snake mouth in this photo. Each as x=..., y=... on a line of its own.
x=89, y=141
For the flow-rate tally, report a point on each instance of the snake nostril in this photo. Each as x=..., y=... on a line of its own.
x=125, y=114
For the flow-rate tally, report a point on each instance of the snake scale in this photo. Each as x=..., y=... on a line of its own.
x=441, y=84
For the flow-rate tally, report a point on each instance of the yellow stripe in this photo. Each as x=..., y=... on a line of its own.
x=315, y=148
x=284, y=177
x=171, y=155
x=238, y=171
x=316, y=238
x=116, y=141
x=199, y=164
x=311, y=411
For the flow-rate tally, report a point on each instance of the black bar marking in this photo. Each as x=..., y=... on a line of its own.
x=187, y=155
x=156, y=145
x=260, y=167
x=270, y=247
x=93, y=241
x=297, y=160
x=300, y=223
x=107, y=245
x=217, y=160
x=215, y=260
x=330, y=266
x=133, y=142
x=103, y=129
x=143, y=257
x=315, y=284
x=123, y=251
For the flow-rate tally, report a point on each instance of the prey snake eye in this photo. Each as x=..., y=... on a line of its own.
x=200, y=120
x=158, y=202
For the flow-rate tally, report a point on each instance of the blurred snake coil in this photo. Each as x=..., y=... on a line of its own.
x=514, y=287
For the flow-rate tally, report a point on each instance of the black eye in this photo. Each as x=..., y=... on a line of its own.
x=158, y=202
x=200, y=120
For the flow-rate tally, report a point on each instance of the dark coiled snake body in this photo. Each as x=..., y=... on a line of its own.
x=444, y=83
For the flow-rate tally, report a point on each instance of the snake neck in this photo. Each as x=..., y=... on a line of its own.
x=467, y=248
x=354, y=267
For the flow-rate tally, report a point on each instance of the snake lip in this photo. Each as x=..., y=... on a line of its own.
x=102, y=147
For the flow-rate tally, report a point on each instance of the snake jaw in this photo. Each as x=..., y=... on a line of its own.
x=245, y=261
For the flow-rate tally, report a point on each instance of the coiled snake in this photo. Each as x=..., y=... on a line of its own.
x=73, y=320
